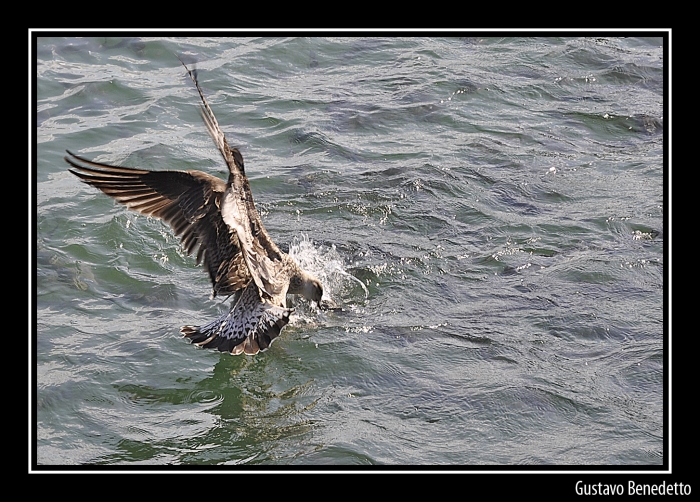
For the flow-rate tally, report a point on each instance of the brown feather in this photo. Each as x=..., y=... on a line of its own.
x=188, y=201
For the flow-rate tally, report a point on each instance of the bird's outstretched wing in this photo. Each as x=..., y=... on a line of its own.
x=188, y=201
x=266, y=264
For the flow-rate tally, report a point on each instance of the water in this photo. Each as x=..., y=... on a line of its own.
x=489, y=213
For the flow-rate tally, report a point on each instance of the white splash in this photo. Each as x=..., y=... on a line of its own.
x=326, y=264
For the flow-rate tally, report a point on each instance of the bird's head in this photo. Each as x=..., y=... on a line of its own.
x=312, y=290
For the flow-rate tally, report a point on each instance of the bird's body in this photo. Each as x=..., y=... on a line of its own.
x=220, y=221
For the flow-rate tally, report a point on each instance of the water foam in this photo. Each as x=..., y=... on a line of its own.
x=327, y=264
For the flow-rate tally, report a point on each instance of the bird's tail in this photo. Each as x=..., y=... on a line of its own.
x=249, y=327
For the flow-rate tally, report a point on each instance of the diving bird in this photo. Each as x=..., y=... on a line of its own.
x=217, y=219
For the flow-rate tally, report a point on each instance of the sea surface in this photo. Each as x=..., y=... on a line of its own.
x=488, y=212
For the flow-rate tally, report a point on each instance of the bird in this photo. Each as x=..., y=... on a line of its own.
x=217, y=219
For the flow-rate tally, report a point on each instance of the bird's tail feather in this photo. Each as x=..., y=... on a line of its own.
x=249, y=327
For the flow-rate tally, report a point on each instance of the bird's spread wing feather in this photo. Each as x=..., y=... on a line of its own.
x=188, y=201
x=266, y=263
